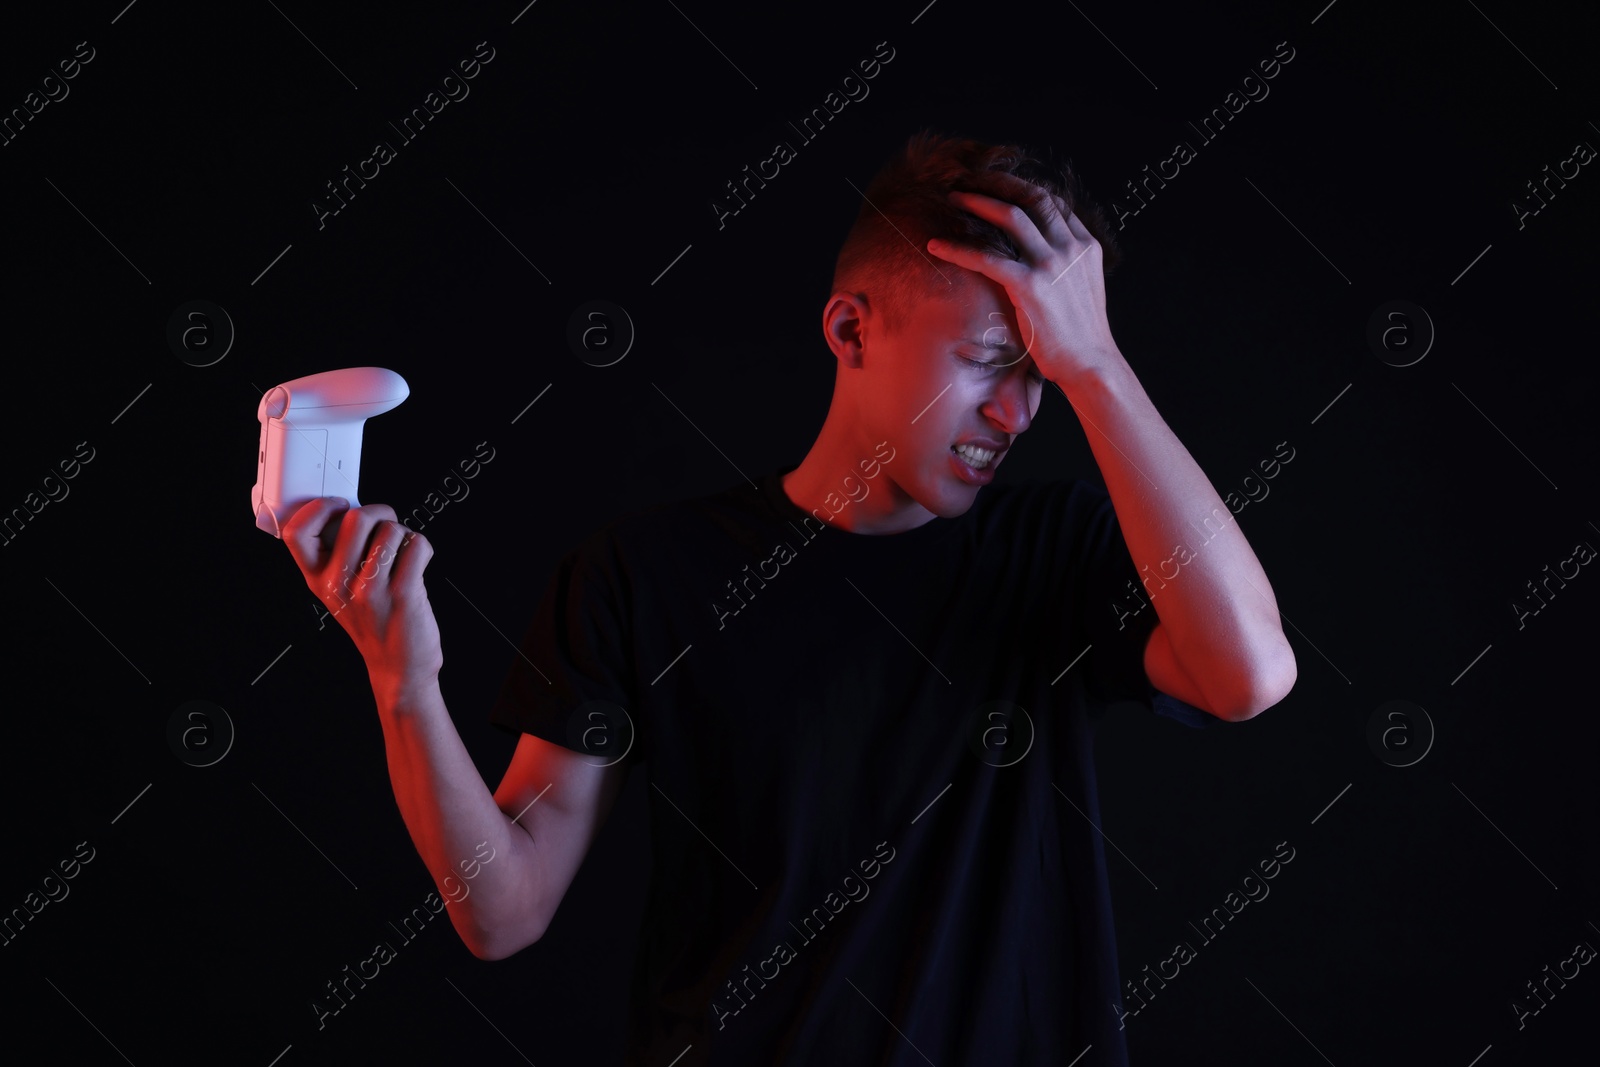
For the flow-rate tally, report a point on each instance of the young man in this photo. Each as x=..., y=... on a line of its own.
x=863, y=688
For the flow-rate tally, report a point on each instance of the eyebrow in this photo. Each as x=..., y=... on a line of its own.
x=1007, y=349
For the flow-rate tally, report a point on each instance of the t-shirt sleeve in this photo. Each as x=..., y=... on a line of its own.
x=1114, y=613
x=572, y=681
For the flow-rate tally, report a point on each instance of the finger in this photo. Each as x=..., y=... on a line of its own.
x=1076, y=226
x=382, y=548
x=309, y=532
x=1063, y=212
x=351, y=549
x=1006, y=272
x=1010, y=217
x=415, y=552
x=1043, y=207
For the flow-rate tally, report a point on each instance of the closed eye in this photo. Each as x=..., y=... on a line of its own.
x=1033, y=376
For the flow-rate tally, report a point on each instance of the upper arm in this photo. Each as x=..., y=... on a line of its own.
x=561, y=797
x=1166, y=674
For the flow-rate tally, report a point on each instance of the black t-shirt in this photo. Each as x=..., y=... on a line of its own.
x=873, y=807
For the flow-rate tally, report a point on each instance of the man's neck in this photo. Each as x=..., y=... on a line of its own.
x=830, y=482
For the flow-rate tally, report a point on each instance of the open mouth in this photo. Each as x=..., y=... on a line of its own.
x=976, y=458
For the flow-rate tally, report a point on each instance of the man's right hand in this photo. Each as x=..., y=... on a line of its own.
x=366, y=568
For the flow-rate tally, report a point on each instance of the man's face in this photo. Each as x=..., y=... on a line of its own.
x=925, y=389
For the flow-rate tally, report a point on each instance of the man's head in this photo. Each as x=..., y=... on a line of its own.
x=912, y=331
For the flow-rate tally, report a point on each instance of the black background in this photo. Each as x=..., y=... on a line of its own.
x=1382, y=166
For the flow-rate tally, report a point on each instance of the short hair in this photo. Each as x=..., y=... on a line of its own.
x=885, y=253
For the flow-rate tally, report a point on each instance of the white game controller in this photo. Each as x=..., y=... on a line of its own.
x=311, y=438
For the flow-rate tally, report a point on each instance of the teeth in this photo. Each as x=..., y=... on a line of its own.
x=978, y=458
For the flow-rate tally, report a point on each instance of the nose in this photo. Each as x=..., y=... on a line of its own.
x=1011, y=407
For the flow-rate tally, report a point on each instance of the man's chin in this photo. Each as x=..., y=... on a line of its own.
x=953, y=500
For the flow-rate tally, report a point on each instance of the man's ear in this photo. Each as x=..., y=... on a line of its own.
x=846, y=320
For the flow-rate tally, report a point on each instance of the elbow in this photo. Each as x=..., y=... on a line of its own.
x=504, y=912
x=1272, y=686
x=488, y=951
x=501, y=942
x=491, y=950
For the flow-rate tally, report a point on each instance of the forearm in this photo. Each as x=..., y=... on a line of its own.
x=1196, y=568
x=454, y=821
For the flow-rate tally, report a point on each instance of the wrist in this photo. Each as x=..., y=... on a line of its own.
x=1109, y=373
x=404, y=691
